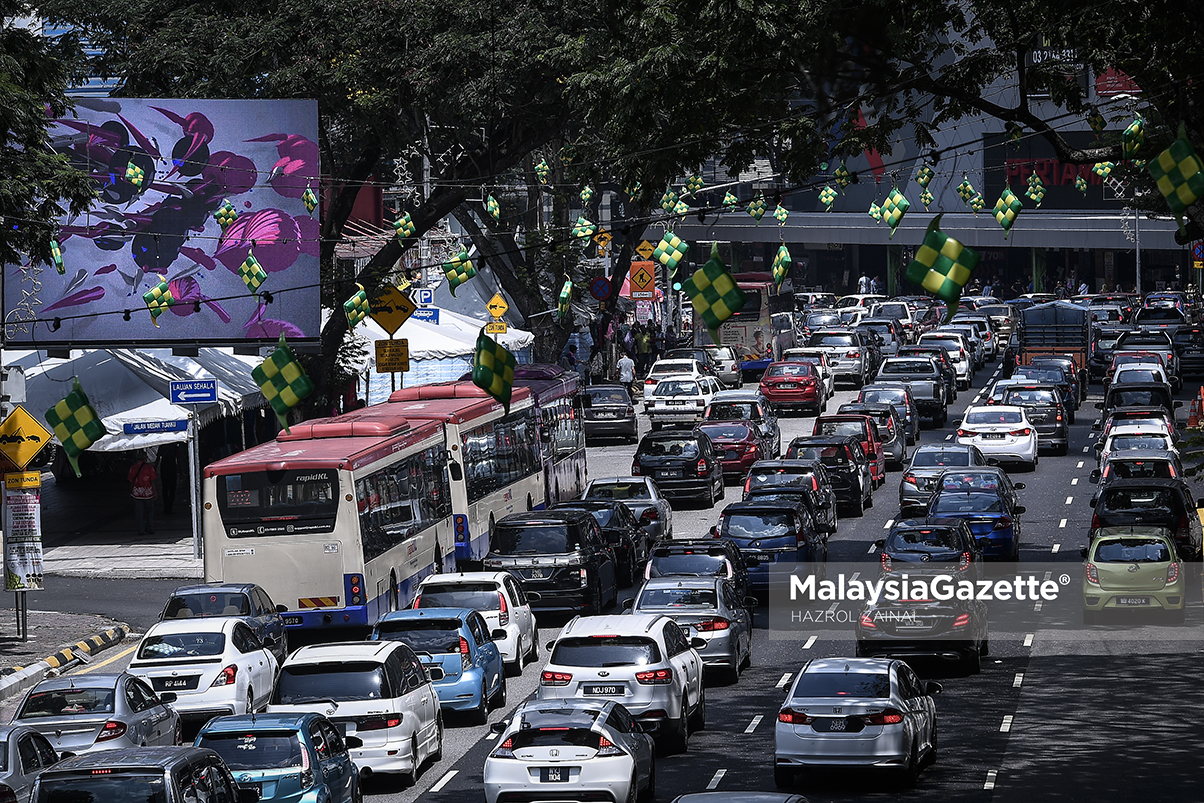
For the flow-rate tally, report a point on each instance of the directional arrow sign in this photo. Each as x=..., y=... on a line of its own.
x=194, y=391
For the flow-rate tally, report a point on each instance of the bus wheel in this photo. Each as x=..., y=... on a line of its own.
x=438, y=568
x=394, y=597
x=530, y=504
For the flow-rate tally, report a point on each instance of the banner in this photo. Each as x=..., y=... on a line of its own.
x=22, y=538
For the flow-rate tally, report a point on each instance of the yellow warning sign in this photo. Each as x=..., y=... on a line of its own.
x=495, y=328
x=645, y=249
x=497, y=305
x=22, y=437
x=391, y=308
x=392, y=356
x=643, y=280
x=23, y=480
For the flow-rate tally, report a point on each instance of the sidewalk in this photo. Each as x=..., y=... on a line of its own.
x=88, y=531
x=48, y=632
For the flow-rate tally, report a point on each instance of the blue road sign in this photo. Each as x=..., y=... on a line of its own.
x=599, y=288
x=147, y=427
x=428, y=314
x=194, y=391
x=424, y=297
x=1198, y=250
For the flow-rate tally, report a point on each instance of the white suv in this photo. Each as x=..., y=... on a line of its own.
x=499, y=598
x=644, y=661
x=376, y=691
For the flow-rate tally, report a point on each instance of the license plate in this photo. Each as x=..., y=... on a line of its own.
x=668, y=472
x=536, y=574
x=553, y=774
x=731, y=455
x=1132, y=600
x=292, y=620
x=605, y=415
x=674, y=401
x=837, y=725
x=992, y=436
x=175, y=683
x=787, y=386
x=606, y=691
x=758, y=557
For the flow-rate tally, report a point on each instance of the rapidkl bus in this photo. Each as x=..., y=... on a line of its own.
x=495, y=461
x=764, y=326
x=339, y=520
x=557, y=395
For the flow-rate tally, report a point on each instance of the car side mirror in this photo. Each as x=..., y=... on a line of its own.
x=880, y=543
x=498, y=635
x=698, y=643
x=932, y=687
x=281, y=609
x=354, y=742
x=714, y=531
x=1018, y=509
x=247, y=794
x=1019, y=486
x=549, y=646
x=751, y=602
x=498, y=728
x=168, y=697
x=435, y=673
x=1094, y=500
x=1097, y=426
x=1200, y=502
x=1178, y=404
x=1098, y=448
x=628, y=604
x=1099, y=405
x=1083, y=552
x=1094, y=476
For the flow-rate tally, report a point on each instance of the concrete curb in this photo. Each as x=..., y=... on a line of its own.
x=23, y=677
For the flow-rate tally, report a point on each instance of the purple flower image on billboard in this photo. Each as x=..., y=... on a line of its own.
x=255, y=159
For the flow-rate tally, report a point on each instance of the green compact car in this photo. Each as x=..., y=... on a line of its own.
x=1132, y=568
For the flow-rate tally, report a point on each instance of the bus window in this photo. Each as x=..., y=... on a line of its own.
x=403, y=499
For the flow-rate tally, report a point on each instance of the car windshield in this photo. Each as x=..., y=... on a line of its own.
x=606, y=651
x=928, y=539
x=554, y=737
x=255, y=750
x=993, y=417
x=119, y=787
x=816, y=321
x=726, y=432
x=790, y=369
x=1137, y=499
x=423, y=635
x=697, y=598
x=1159, y=315
x=1122, y=442
x=1106, y=340
x=830, y=456
x=757, y=525
x=1189, y=337
x=732, y=411
x=1030, y=396
x=840, y=428
x=940, y=457
x=704, y=563
x=542, y=539
x=340, y=681
x=67, y=702
x=831, y=340
x=608, y=396
x=1133, y=550
x=907, y=367
x=969, y=480
x=207, y=603
x=778, y=479
x=181, y=645
x=843, y=684
x=1137, y=375
x=1139, y=469
x=618, y=490
x=669, y=447
x=961, y=503
x=1054, y=375
x=947, y=343
x=673, y=367
x=883, y=396
x=891, y=310
x=676, y=387
x=1137, y=397
x=476, y=596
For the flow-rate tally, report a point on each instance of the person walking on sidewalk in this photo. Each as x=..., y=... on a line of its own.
x=142, y=490
x=627, y=373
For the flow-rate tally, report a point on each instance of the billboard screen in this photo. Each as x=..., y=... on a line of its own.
x=166, y=171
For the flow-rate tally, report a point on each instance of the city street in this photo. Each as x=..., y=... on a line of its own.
x=1050, y=718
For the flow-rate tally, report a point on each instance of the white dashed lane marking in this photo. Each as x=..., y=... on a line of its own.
x=990, y=782
x=1062, y=523
x=1085, y=448
x=1019, y=679
x=1006, y=725
x=783, y=681
x=1080, y=465
x=870, y=551
x=1053, y=550
x=810, y=642
x=442, y=782
x=752, y=726
x=1028, y=639
x=714, y=784
x=1069, y=499
x=1075, y=481
x=889, y=523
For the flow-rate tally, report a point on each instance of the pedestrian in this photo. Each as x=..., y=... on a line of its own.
x=863, y=284
x=627, y=373
x=568, y=358
x=643, y=347
x=168, y=455
x=875, y=285
x=142, y=490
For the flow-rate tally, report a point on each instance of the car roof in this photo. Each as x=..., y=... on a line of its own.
x=780, y=464
x=673, y=581
x=755, y=505
x=1135, y=429
x=343, y=651
x=561, y=713
x=1145, y=482
x=672, y=434
x=464, y=577
x=824, y=440
x=199, y=624
x=201, y=587
x=544, y=518
x=105, y=681
x=944, y=446
x=993, y=408
x=640, y=624
x=850, y=665
x=1142, y=455
x=693, y=543
x=414, y=615
x=738, y=396
x=158, y=758
x=252, y=722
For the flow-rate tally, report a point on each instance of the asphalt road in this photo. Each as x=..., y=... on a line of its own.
x=1055, y=715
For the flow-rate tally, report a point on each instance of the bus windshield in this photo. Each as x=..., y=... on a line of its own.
x=284, y=497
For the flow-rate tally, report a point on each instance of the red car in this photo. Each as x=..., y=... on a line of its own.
x=793, y=384
x=866, y=431
x=737, y=445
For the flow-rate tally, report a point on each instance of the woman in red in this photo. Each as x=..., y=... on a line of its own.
x=142, y=489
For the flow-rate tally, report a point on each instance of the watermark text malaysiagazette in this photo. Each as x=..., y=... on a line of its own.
x=904, y=588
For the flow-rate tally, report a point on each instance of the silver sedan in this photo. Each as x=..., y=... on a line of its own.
x=26, y=753
x=99, y=712
x=706, y=608
x=642, y=498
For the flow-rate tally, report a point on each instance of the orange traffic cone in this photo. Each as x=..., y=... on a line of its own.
x=1193, y=417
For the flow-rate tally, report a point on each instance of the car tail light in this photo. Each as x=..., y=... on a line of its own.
x=630, y=411
x=112, y=730
x=962, y=620
x=747, y=483
x=890, y=716
x=964, y=563
x=1002, y=523
x=701, y=468
x=635, y=468
x=910, y=479
x=792, y=717
x=548, y=678
x=465, y=661
x=964, y=433
x=650, y=514
x=887, y=563
x=608, y=748
x=1108, y=470
x=503, y=750
x=417, y=601
x=1092, y=574
x=583, y=573
x=226, y=676
x=504, y=617
x=814, y=483
x=1059, y=418
x=711, y=625
x=853, y=354
x=657, y=677
x=1018, y=432
x=378, y=723
x=1095, y=521
x=867, y=622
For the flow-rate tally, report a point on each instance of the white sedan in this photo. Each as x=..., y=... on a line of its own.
x=1001, y=432
x=214, y=666
x=680, y=399
x=1146, y=436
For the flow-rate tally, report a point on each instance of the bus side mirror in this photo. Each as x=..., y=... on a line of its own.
x=457, y=473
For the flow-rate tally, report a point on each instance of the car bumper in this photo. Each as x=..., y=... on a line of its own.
x=461, y=692
x=912, y=498
x=847, y=368
x=930, y=408
x=1170, y=598
x=1005, y=450
x=1000, y=545
x=600, y=780
x=558, y=599
x=738, y=466
x=792, y=398
x=595, y=428
x=939, y=649
x=890, y=748
x=684, y=488
x=689, y=415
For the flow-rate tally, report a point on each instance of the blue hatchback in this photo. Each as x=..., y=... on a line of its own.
x=288, y=758
x=770, y=532
x=458, y=641
x=990, y=514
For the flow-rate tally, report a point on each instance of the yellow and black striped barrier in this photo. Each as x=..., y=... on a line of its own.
x=88, y=646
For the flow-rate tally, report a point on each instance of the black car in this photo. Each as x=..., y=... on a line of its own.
x=610, y=413
x=1046, y=411
x=699, y=557
x=1067, y=364
x=1189, y=348
x=245, y=601
x=1138, y=394
x=559, y=557
x=683, y=464
x=807, y=479
x=621, y=530
x=953, y=630
x=917, y=546
x=165, y=774
x=1103, y=345
x=847, y=465
x=1152, y=503
x=1052, y=375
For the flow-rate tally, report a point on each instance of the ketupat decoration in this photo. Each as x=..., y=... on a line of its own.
x=1103, y=169
x=1015, y=132
x=977, y=202
x=493, y=208
x=926, y=198
x=158, y=299
x=75, y=423
x=1179, y=175
x=670, y=251
x=756, y=208
x=924, y=175
x=780, y=214
x=1133, y=136
x=493, y=369
x=310, y=200
x=584, y=229
x=875, y=212
x=56, y=256
x=894, y=208
x=714, y=293
x=357, y=307
x=225, y=214
x=1036, y=189
x=459, y=269
x=965, y=190
x=1006, y=209
x=564, y=303
x=843, y=177
x=681, y=208
x=542, y=171
x=730, y=201
x=135, y=174
x=694, y=183
x=1080, y=184
x=827, y=197
x=942, y=266
x=632, y=191
x=1096, y=121
x=781, y=265
x=404, y=227
x=283, y=381
x=668, y=200
x=587, y=194
x=252, y=273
